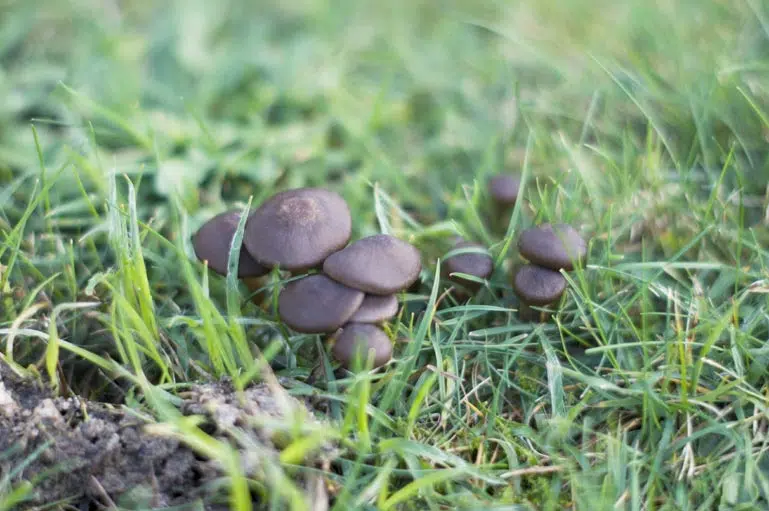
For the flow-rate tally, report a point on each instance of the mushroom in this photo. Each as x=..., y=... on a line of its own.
x=376, y=309
x=555, y=247
x=504, y=188
x=212, y=243
x=316, y=304
x=297, y=229
x=537, y=286
x=380, y=265
x=354, y=344
x=471, y=263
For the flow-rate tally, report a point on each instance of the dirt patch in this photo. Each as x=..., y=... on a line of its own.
x=94, y=456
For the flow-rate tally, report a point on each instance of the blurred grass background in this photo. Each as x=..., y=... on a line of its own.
x=643, y=123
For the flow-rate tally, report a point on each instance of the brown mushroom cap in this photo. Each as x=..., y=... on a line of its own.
x=376, y=309
x=538, y=286
x=553, y=246
x=316, y=304
x=471, y=263
x=212, y=243
x=356, y=339
x=297, y=229
x=504, y=189
x=380, y=265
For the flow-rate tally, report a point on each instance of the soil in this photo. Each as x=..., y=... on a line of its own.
x=89, y=455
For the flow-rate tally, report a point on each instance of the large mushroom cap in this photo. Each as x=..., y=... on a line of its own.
x=297, y=229
x=212, y=243
x=376, y=309
x=553, y=246
x=380, y=264
x=356, y=340
x=504, y=189
x=476, y=264
x=538, y=286
x=317, y=304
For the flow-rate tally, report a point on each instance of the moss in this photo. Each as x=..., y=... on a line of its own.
x=536, y=492
x=529, y=375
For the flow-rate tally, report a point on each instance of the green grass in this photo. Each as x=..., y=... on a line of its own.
x=124, y=126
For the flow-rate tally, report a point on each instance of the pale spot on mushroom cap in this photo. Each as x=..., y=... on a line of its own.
x=299, y=211
x=297, y=229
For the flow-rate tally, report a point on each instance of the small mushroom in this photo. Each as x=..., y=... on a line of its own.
x=354, y=344
x=316, y=304
x=504, y=188
x=537, y=286
x=212, y=243
x=380, y=265
x=555, y=247
x=376, y=309
x=470, y=263
x=297, y=229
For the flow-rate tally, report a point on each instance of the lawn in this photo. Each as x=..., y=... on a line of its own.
x=132, y=377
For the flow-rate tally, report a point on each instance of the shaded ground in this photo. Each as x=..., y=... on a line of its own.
x=93, y=455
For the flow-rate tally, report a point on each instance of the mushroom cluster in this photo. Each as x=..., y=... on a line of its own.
x=548, y=250
x=348, y=290
x=343, y=289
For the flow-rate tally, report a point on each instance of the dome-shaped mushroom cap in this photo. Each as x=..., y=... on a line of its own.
x=471, y=263
x=504, y=188
x=212, y=243
x=538, y=286
x=316, y=304
x=297, y=229
x=553, y=246
x=376, y=309
x=356, y=339
x=380, y=264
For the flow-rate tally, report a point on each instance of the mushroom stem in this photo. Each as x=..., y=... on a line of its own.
x=260, y=294
x=254, y=283
x=500, y=218
x=529, y=314
x=459, y=293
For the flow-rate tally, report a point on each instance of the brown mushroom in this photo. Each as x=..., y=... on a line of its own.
x=317, y=304
x=376, y=309
x=297, y=229
x=504, y=188
x=358, y=342
x=212, y=243
x=537, y=286
x=380, y=265
x=476, y=263
x=553, y=246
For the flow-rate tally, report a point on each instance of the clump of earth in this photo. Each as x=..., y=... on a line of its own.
x=90, y=455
